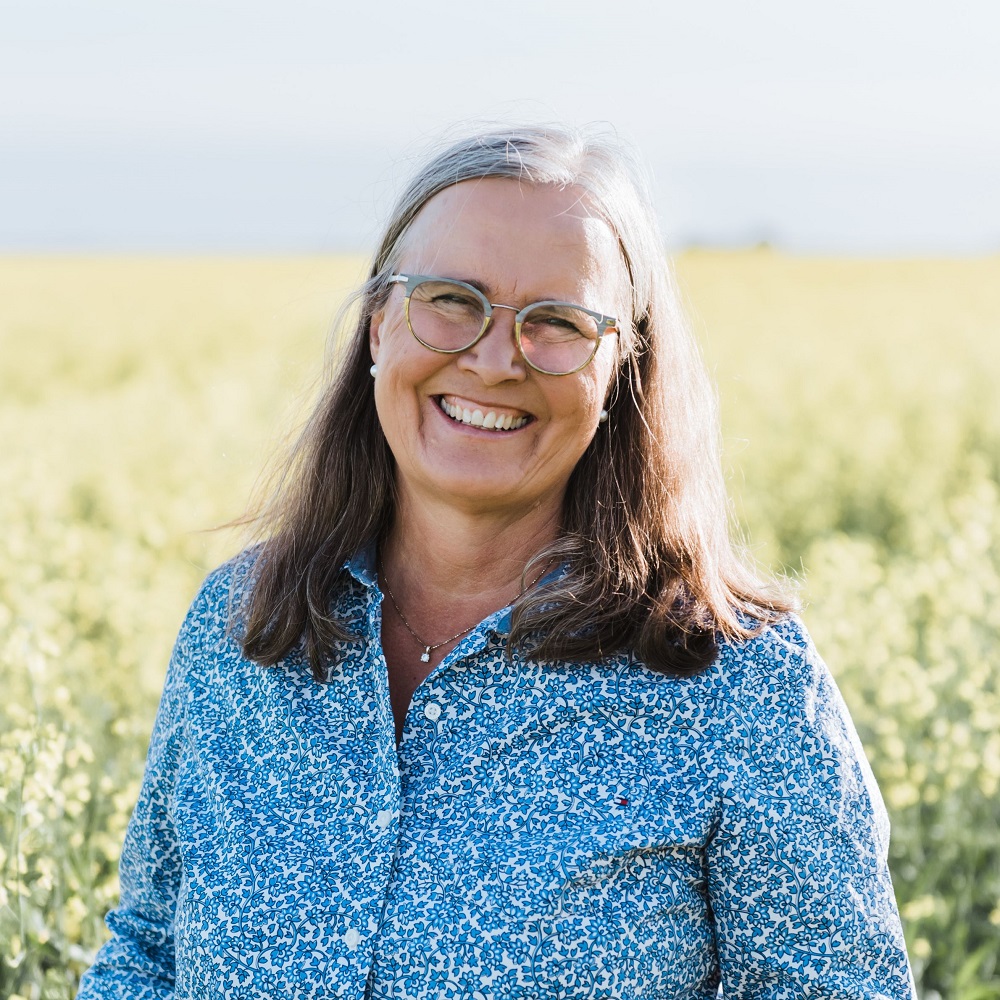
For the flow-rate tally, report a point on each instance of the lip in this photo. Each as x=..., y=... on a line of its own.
x=441, y=400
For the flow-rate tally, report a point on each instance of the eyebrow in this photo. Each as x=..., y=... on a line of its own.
x=475, y=282
x=482, y=287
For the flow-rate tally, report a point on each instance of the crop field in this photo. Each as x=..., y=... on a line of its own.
x=140, y=398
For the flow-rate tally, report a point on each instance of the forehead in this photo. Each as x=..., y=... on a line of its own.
x=535, y=241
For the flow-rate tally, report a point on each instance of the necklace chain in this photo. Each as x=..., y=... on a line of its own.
x=429, y=647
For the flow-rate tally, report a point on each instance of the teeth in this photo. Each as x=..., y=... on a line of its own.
x=488, y=421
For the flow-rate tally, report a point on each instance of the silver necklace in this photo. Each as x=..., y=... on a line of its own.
x=429, y=647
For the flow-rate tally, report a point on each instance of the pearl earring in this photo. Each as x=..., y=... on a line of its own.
x=373, y=370
x=604, y=417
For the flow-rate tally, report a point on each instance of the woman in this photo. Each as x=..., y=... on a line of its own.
x=495, y=710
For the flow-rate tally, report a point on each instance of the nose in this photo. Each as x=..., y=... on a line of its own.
x=495, y=357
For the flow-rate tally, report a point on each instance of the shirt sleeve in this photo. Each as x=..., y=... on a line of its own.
x=799, y=883
x=138, y=960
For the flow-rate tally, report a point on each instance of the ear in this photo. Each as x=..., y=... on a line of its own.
x=374, y=333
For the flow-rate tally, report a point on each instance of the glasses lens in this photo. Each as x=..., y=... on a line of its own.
x=445, y=315
x=559, y=339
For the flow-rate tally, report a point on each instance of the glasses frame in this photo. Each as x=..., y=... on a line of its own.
x=607, y=325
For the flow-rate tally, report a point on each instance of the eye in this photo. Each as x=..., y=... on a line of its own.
x=560, y=322
x=454, y=298
x=445, y=297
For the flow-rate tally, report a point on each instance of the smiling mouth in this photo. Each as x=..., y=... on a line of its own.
x=488, y=420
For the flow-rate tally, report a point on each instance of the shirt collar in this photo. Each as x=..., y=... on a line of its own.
x=501, y=626
x=362, y=567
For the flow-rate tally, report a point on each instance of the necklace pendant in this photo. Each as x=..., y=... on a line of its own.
x=425, y=656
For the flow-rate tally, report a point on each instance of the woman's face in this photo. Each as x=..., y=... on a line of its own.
x=520, y=244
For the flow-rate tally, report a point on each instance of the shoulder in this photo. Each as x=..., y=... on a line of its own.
x=213, y=628
x=764, y=684
x=777, y=647
x=755, y=687
x=219, y=597
x=777, y=680
x=779, y=664
x=777, y=667
x=210, y=634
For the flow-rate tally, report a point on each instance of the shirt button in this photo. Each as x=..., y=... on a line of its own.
x=352, y=938
x=432, y=711
x=384, y=818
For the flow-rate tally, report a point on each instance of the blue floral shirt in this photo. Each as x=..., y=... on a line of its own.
x=543, y=830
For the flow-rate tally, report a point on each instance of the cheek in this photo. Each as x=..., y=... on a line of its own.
x=599, y=385
x=401, y=360
x=576, y=412
x=405, y=371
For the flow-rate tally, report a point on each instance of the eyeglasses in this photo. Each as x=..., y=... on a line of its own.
x=450, y=316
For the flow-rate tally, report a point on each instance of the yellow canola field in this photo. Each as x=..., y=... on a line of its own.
x=140, y=398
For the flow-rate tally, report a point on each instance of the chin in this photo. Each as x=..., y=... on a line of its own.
x=479, y=490
x=489, y=491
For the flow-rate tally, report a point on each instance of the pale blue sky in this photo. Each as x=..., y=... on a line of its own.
x=219, y=125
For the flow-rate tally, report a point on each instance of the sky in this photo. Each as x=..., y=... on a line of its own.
x=253, y=127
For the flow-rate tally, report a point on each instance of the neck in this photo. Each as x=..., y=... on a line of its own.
x=449, y=568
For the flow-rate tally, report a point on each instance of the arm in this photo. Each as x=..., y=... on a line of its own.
x=798, y=877
x=138, y=960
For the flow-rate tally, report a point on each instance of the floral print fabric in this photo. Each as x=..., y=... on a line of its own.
x=572, y=830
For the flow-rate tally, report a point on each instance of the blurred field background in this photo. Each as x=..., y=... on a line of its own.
x=140, y=397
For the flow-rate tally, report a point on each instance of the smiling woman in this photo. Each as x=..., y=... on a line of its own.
x=494, y=708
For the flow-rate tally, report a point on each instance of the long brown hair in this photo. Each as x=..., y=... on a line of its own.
x=652, y=569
